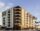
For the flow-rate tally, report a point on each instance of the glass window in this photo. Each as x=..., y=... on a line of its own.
x=3, y=18
x=8, y=23
x=8, y=14
x=3, y=21
x=4, y=13
x=8, y=19
x=9, y=11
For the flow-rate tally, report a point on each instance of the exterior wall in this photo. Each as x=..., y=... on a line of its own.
x=11, y=17
x=30, y=21
x=18, y=22
x=38, y=26
x=22, y=15
x=27, y=20
x=34, y=23
x=5, y=19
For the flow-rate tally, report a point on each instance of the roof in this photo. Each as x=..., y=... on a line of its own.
x=17, y=7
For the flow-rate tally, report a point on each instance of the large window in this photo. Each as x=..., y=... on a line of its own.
x=8, y=11
x=4, y=13
x=8, y=15
x=9, y=18
x=4, y=21
x=8, y=23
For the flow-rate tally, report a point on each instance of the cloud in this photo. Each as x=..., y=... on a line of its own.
x=10, y=3
x=3, y=8
x=7, y=7
x=2, y=4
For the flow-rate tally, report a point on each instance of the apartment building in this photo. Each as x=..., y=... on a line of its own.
x=14, y=17
x=29, y=22
x=37, y=25
x=7, y=17
x=34, y=24
x=17, y=18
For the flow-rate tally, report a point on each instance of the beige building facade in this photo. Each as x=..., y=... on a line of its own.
x=18, y=18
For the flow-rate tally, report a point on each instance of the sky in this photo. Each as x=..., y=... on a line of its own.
x=32, y=6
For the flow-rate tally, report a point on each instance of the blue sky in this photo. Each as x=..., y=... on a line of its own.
x=32, y=6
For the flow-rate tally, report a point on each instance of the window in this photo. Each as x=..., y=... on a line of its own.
x=9, y=18
x=9, y=23
x=4, y=13
x=8, y=14
x=9, y=11
x=3, y=18
x=3, y=21
x=4, y=24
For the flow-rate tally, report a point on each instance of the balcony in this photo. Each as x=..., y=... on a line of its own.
x=17, y=24
x=17, y=12
x=17, y=21
x=17, y=16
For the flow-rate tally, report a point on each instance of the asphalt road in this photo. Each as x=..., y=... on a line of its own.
x=18, y=30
